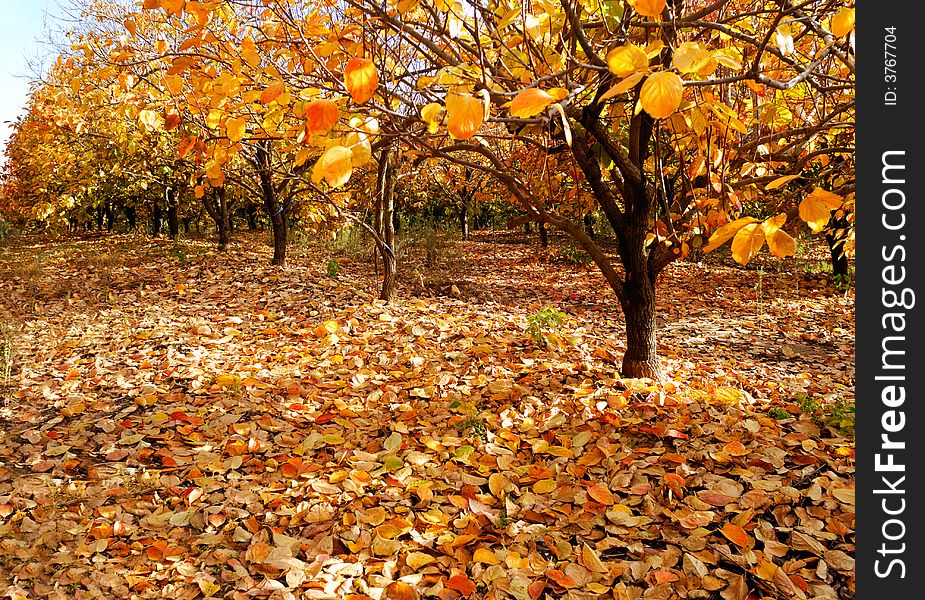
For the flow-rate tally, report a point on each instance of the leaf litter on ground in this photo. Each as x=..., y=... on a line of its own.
x=196, y=424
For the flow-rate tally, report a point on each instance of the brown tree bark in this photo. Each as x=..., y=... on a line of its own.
x=173, y=217
x=275, y=210
x=385, y=180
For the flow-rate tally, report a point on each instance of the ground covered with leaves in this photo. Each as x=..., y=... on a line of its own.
x=178, y=423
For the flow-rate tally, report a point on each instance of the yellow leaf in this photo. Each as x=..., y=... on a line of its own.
x=728, y=57
x=529, y=103
x=214, y=118
x=208, y=588
x=557, y=93
x=649, y=8
x=236, y=128
x=361, y=79
x=780, y=242
x=416, y=560
x=725, y=233
x=661, y=94
x=496, y=484
x=544, y=486
x=360, y=148
x=766, y=569
x=779, y=182
x=690, y=57
x=624, y=86
x=334, y=166
x=432, y=114
x=843, y=22
x=149, y=119
x=623, y=61
x=465, y=114
x=816, y=208
x=249, y=53
x=484, y=555
x=591, y=560
x=747, y=242
x=772, y=224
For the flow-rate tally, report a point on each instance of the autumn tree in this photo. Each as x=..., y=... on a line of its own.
x=674, y=114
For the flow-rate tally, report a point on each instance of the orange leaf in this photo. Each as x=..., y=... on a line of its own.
x=186, y=144
x=461, y=584
x=320, y=116
x=714, y=498
x=529, y=103
x=272, y=92
x=399, y=590
x=661, y=94
x=600, y=493
x=465, y=114
x=735, y=449
x=649, y=8
x=561, y=578
x=736, y=535
x=361, y=79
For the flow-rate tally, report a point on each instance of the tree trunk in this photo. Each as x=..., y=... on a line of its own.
x=544, y=235
x=223, y=222
x=131, y=215
x=251, y=214
x=173, y=220
x=275, y=210
x=839, y=259
x=218, y=209
x=99, y=218
x=385, y=179
x=464, y=219
x=110, y=216
x=641, y=357
x=835, y=227
x=157, y=218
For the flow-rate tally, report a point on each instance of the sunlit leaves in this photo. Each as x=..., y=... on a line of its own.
x=236, y=127
x=779, y=182
x=781, y=243
x=661, y=94
x=432, y=114
x=272, y=92
x=149, y=119
x=690, y=57
x=747, y=242
x=320, y=116
x=334, y=167
x=465, y=114
x=726, y=232
x=783, y=37
x=843, y=22
x=626, y=60
x=530, y=102
x=623, y=87
x=816, y=208
x=648, y=8
x=249, y=53
x=361, y=79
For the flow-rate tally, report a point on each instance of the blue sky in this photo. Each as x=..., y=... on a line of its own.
x=22, y=23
